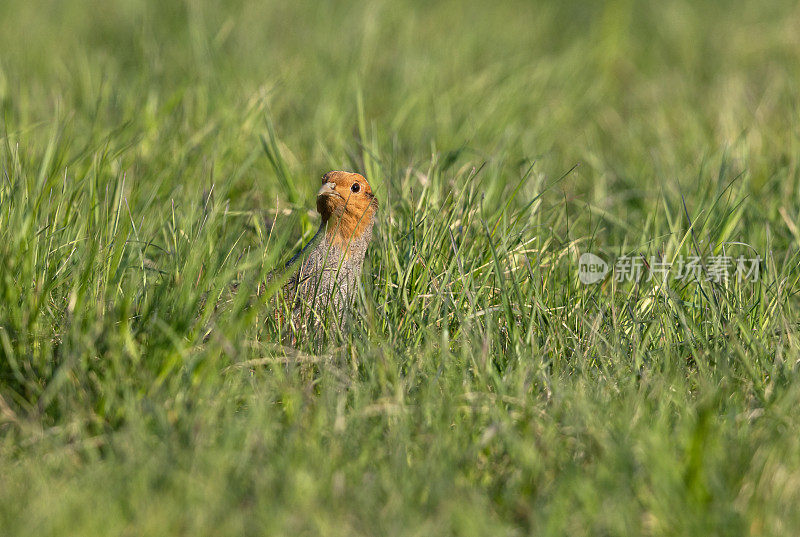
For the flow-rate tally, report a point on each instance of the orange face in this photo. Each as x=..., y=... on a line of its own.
x=346, y=203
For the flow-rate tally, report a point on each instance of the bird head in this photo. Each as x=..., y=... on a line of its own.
x=347, y=205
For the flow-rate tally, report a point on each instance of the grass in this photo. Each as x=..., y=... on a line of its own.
x=154, y=153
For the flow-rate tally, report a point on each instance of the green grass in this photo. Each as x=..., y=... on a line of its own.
x=153, y=153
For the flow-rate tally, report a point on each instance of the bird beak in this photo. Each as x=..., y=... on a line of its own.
x=328, y=189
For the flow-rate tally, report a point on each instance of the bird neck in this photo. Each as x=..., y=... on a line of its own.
x=348, y=232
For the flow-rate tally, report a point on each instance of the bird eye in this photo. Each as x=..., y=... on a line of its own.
x=355, y=188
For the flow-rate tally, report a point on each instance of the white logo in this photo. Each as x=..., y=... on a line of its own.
x=592, y=268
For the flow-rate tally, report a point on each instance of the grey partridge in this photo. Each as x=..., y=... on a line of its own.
x=325, y=273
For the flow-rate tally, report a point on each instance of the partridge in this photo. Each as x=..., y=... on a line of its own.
x=325, y=273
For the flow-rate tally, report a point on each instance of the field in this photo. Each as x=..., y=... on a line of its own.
x=159, y=159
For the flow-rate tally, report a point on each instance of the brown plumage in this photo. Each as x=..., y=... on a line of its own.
x=325, y=272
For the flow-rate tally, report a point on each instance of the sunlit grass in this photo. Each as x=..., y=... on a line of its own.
x=155, y=158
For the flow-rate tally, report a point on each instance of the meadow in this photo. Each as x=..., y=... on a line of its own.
x=155, y=155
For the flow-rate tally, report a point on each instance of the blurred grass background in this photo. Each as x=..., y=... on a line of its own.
x=153, y=153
